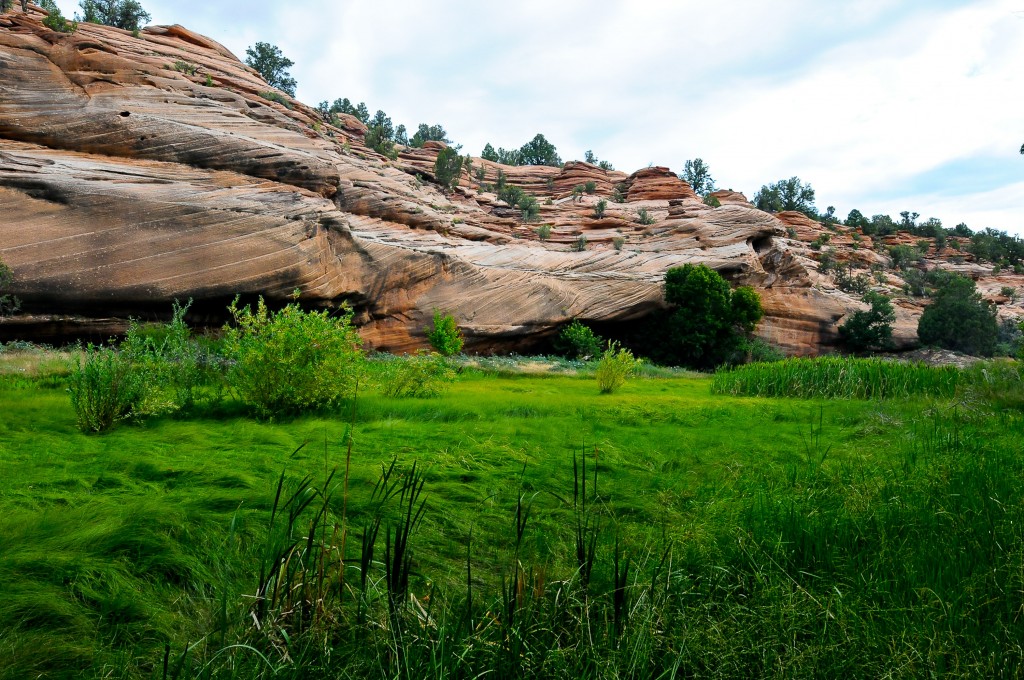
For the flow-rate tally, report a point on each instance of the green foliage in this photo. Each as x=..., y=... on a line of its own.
x=511, y=194
x=444, y=335
x=786, y=194
x=539, y=151
x=904, y=256
x=270, y=95
x=489, y=154
x=272, y=65
x=707, y=321
x=869, y=330
x=618, y=242
x=428, y=133
x=55, y=20
x=577, y=193
x=544, y=232
x=644, y=217
x=712, y=201
x=856, y=220
x=380, y=135
x=448, y=168
x=838, y=378
x=616, y=365
x=182, y=66
x=580, y=244
x=959, y=319
x=590, y=186
x=578, y=341
x=106, y=387
x=423, y=374
x=126, y=14
x=529, y=208
x=618, y=196
x=9, y=304
x=697, y=174
x=290, y=360
x=599, y=208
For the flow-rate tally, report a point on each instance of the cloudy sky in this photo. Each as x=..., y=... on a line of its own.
x=881, y=105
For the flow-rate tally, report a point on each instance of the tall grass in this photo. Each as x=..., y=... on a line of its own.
x=838, y=378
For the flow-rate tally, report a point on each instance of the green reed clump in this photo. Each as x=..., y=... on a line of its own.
x=106, y=387
x=838, y=378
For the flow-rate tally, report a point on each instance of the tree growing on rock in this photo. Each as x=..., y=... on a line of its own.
x=697, y=174
x=428, y=133
x=126, y=14
x=959, y=319
x=448, y=168
x=268, y=60
x=786, y=194
x=380, y=135
x=869, y=330
x=708, y=321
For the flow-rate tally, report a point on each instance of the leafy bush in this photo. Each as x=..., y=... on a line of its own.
x=182, y=66
x=445, y=336
x=590, y=186
x=644, y=217
x=697, y=174
x=618, y=242
x=544, y=232
x=959, y=319
x=580, y=244
x=176, y=366
x=277, y=97
x=599, y=208
x=578, y=341
x=712, y=201
x=55, y=20
x=707, y=321
x=423, y=374
x=616, y=365
x=291, y=360
x=106, y=387
x=8, y=303
x=529, y=208
x=787, y=194
x=871, y=329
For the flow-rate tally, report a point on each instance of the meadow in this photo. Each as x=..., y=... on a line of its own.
x=519, y=524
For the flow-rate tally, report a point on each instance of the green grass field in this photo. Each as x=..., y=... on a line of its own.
x=764, y=536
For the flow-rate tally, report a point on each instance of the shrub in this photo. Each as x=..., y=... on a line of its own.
x=577, y=193
x=616, y=365
x=8, y=303
x=697, y=174
x=105, y=387
x=590, y=187
x=291, y=360
x=644, y=217
x=510, y=194
x=423, y=374
x=786, y=194
x=904, y=256
x=125, y=14
x=270, y=95
x=448, y=168
x=707, y=321
x=445, y=336
x=182, y=66
x=578, y=341
x=529, y=207
x=618, y=242
x=959, y=319
x=712, y=201
x=544, y=232
x=599, y=208
x=580, y=244
x=618, y=196
x=871, y=329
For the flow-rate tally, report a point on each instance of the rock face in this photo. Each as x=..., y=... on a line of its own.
x=137, y=170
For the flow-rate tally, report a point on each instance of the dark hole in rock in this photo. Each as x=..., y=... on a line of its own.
x=125, y=114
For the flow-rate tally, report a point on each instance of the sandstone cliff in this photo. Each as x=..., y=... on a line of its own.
x=137, y=170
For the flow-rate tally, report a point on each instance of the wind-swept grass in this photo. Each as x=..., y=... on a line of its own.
x=839, y=378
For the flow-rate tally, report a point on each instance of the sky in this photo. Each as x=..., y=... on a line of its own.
x=880, y=105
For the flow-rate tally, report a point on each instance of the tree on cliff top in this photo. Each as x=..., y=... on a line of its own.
x=126, y=14
x=697, y=174
x=787, y=194
x=272, y=65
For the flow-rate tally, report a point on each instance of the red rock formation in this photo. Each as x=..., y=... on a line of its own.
x=126, y=182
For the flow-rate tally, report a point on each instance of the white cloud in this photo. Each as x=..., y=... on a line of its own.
x=855, y=97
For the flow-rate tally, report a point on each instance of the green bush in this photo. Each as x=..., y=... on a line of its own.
x=590, y=187
x=580, y=244
x=106, y=387
x=644, y=217
x=445, y=336
x=959, y=319
x=8, y=303
x=578, y=341
x=423, y=374
x=126, y=14
x=616, y=365
x=707, y=321
x=272, y=65
x=599, y=208
x=291, y=360
x=176, y=366
x=712, y=201
x=871, y=329
x=448, y=168
x=529, y=208
x=54, y=20
x=544, y=232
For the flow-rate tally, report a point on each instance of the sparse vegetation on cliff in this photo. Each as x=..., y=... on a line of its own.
x=959, y=319
x=787, y=194
x=268, y=60
x=126, y=14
